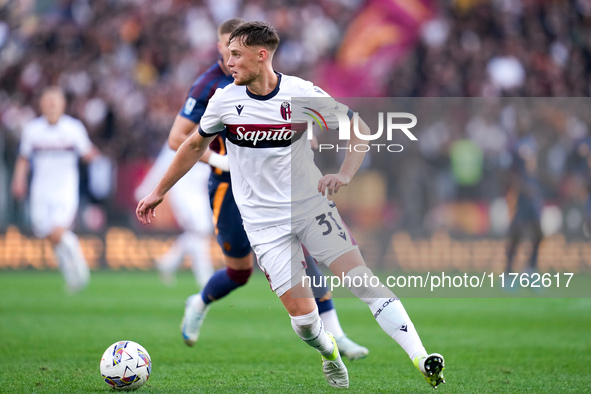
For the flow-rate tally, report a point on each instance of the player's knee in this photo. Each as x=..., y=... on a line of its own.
x=239, y=276
x=240, y=262
x=56, y=236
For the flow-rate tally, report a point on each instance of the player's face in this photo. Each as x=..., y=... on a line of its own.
x=53, y=105
x=245, y=63
x=223, y=41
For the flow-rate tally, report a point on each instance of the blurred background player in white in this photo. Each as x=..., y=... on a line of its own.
x=227, y=220
x=190, y=205
x=50, y=147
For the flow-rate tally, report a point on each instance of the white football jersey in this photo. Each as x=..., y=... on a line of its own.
x=274, y=178
x=53, y=151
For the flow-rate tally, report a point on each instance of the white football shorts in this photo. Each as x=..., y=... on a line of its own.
x=279, y=248
x=51, y=212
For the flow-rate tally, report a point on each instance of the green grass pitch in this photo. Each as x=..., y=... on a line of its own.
x=52, y=342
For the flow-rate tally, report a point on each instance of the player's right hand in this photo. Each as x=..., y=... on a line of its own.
x=331, y=183
x=146, y=208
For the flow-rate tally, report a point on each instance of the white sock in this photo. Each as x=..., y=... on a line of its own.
x=197, y=247
x=331, y=323
x=197, y=302
x=388, y=312
x=309, y=328
x=394, y=320
x=79, y=264
x=65, y=265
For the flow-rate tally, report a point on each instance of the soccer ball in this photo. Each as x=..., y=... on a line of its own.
x=126, y=365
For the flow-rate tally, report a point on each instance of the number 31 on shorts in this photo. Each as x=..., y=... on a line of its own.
x=329, y=223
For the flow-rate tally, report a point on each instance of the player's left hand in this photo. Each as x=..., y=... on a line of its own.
x=331, y=183
x=146, y=208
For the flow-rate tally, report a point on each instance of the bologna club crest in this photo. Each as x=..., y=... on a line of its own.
x=286, y=110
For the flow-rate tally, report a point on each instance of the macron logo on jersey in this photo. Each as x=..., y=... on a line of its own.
x=239, y=108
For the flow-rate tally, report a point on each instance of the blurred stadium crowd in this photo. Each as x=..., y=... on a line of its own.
x=126, y=66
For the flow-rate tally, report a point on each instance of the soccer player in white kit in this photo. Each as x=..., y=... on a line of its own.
x=229, y=231
x=51, y=146
x=267, y=155
x=189, y=200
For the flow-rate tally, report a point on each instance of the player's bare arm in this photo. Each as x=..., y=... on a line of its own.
x=331, y=183
x=181, y=130
x=19, y=179
x=187, y=155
